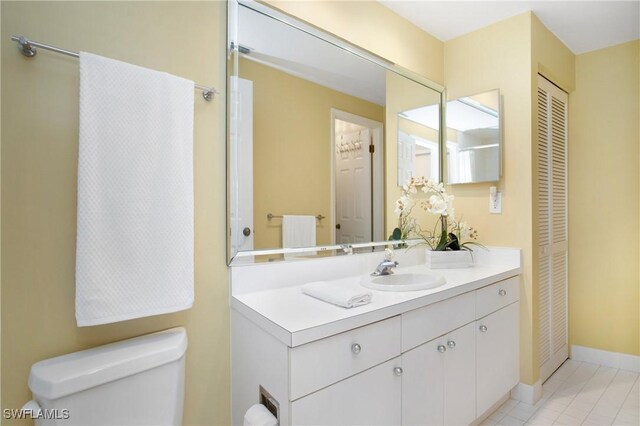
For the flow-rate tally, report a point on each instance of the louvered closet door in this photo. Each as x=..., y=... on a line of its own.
x=552, y=226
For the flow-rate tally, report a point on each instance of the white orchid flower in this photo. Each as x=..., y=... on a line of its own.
x=452, y=214
x=406, y=201
x=438, y=205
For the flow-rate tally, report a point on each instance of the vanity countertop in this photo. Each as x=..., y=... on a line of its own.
x=295, y=318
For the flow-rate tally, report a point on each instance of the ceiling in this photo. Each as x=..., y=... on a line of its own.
x=582, y=26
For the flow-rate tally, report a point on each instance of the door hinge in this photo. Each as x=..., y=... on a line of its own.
x=372, y=148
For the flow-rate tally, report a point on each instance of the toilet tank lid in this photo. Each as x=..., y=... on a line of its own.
x=67, y=374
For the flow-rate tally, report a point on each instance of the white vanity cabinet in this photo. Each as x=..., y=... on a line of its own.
x=438, y=384
x=456, y=377
x=319, y=364
x=445, y=361
x=372, y=397
x=497, y=341
x=350, y=378
x=497, y=355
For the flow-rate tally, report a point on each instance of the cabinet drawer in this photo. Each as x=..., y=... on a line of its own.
x=424, y=324
x=323, y=362
x=372, y=397
x=496, y=296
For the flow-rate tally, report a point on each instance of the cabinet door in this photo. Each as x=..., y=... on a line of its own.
x=497, y=355
x=368, y=398
x=423, y=384
x=460, y=377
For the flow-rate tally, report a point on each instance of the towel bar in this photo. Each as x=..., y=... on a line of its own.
x=271, y=216
x=28, y=48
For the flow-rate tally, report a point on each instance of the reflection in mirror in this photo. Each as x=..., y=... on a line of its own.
x=418, y=143
x=308, y=134
x=474, y=138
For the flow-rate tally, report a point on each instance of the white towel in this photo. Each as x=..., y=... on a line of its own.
x=298, y=231
x=336, y=294
x=134, y=253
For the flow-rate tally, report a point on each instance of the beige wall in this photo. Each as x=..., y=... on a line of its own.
x=508, y=55
x=292, y=148
x=556, y=63
x=499, y=56
x=604, y=281
x=39, y=162
x=551, y=58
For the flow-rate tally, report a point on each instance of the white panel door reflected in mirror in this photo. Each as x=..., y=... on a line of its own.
x=474, y=138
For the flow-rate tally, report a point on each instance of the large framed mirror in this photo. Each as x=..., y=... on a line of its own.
x=313, y=126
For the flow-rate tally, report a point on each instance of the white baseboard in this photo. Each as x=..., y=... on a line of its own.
x=606, y=358
x=529, y=394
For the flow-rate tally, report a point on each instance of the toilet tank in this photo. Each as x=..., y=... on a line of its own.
x=138, y=381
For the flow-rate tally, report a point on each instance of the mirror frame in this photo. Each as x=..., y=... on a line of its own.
x=232, y=28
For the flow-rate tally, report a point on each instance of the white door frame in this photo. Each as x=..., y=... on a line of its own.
x=377, y=129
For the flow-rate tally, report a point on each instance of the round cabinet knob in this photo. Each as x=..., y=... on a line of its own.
x=483, y=328
x=502, y=292
x=451, y=344
x=356, y=348
x=442, y=349
x=246, y=231
x=397, y=371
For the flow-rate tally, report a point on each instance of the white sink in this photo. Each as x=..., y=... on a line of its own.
x=404, y=281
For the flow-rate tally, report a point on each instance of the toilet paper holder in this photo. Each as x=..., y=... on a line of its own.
x=270, y=402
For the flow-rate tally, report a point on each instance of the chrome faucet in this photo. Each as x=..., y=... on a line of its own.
x=384, y=268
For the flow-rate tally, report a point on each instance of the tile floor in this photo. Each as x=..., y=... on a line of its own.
x=578, y=393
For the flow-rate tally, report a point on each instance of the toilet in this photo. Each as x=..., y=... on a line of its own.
x=138, y=381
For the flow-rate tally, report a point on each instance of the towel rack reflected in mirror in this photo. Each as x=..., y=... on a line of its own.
x=28, y=48
x=271, y=216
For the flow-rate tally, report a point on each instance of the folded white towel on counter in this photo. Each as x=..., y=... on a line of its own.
x=337, y=294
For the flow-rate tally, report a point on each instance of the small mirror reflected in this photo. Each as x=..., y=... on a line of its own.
x=418, y=146
x=474, y=138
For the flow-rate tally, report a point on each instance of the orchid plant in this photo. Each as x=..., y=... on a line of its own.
x=449, y=233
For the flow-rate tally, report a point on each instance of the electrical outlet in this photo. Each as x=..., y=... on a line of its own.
x=495, y=200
